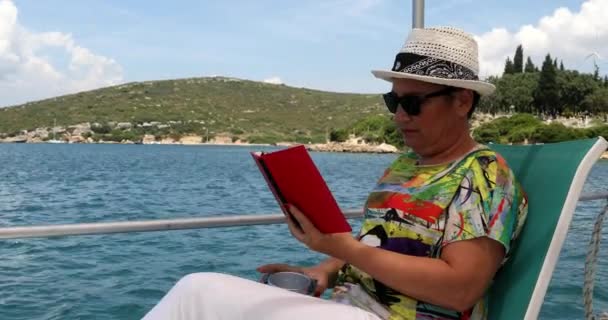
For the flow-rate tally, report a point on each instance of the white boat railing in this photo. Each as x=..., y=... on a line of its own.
x=170, y=224
x=148, y=225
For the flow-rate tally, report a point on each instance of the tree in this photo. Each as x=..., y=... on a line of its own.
x=393, y=136
x=574, y=87
x=518, y=60
x=596, y=72
x=597, y=102
x=489, y=104
x=516, y=90
x=555, y=132
x=518, y=128
x=509, y=67
x=530, y=66
x=546, y=95
x=338, y=135
x=101, y=128
x=606, y=81
x=561, y=65
x=555, y=63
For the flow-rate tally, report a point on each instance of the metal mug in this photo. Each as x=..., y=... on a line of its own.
x=292, y=281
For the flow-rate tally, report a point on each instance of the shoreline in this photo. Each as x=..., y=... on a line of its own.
x=339, y=147
x=344, y=147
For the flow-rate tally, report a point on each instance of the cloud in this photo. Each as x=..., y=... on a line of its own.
x=570, y=36
x=28, y=72
x=273, y=80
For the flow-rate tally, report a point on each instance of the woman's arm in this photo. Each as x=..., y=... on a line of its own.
x=456, y=281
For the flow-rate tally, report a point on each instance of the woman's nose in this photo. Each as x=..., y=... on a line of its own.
x=401, y=115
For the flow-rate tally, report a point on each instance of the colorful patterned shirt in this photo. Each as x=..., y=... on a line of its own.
x=417, y=210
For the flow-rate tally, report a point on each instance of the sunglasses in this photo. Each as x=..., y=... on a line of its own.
x=412, y=104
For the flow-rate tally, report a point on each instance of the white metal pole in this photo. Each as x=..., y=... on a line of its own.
x=149, y=225
x=171, y=224
x=418, y=14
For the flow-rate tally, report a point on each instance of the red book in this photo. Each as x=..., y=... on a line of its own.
x=294, y=179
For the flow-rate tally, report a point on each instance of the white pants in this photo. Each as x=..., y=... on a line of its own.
x=214, y=296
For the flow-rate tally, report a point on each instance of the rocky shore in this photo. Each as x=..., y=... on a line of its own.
x=355, y=148
x=82, y=133
x=85, y=133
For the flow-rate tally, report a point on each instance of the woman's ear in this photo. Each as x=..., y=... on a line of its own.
x=463, y=101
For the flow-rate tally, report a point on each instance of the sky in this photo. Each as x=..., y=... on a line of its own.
x=51, y=48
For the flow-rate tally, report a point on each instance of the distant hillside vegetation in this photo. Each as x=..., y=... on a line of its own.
x=253, y=111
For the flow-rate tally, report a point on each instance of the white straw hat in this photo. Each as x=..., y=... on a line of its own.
x=441, y=55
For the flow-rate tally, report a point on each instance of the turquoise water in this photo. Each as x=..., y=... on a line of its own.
x=122, y=276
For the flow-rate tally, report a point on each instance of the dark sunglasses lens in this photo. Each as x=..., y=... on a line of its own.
x=391, y=101
x=411, y=105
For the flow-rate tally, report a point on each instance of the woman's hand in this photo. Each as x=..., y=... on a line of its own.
x=335, y=244
x=318, y=273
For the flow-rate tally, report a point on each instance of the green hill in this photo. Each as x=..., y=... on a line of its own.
x=253, y=111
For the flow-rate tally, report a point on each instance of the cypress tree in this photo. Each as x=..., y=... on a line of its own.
x=546, y=96
x=530, y=66
x=509, y=69
x=518, y=60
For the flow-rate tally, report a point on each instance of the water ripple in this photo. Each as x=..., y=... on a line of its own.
x=121, y=276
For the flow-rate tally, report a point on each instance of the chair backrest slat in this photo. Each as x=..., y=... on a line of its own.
x=551, y=175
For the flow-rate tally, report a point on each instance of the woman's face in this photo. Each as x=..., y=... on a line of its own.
x=440, y=122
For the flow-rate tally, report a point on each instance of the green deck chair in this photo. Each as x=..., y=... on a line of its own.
x=553, y=176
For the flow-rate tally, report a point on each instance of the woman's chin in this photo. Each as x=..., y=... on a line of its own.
x=417, y=147
x=412, y=144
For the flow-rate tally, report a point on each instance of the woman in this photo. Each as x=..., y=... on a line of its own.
x=438, y=225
